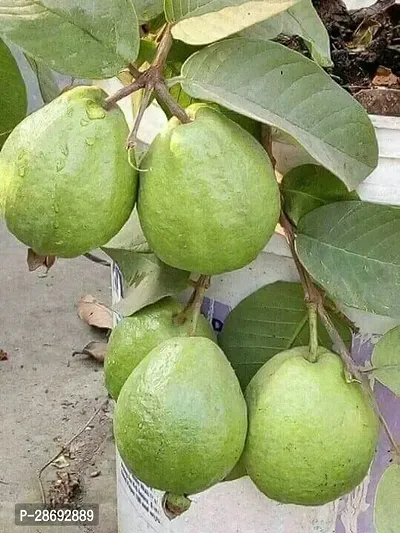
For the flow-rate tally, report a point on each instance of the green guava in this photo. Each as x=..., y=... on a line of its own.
x=312, y=435
x=180, y=422
x=66, y=183
x=208, y=197
x=135, y=336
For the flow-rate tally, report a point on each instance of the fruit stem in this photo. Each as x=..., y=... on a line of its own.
x=132, y=138
x=175, y=504
x=193, y=306
x=203, y=284
x=313, y=323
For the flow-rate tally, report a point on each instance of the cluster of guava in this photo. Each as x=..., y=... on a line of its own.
x=208, y=202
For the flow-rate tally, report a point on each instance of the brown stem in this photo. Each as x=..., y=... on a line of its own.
x=203, y=284
x=110, y=101
x=151, y=79
x=162, y=92
x=163, y=48
x=193, y=305
x=132, y=138
x=134, y=71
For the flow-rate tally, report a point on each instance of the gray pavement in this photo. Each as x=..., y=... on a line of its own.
x=46, y=395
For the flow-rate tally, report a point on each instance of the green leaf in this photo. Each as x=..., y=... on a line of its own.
x=146, y=279
x=129, y=238
x=272, y=84
x=48, y=86
x=269, y=321
x=148, y=9
x=13, y=102
x=386, y=360
x=301, y=20
x=82, y=39
x=352, y=249
x=206, y=21
x=308, y=187
x=387, y=498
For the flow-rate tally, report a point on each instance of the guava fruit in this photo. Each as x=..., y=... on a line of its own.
x=67, y=184
x=208, y=198
x=135, y=336
x=312, y=435
x=180, y=421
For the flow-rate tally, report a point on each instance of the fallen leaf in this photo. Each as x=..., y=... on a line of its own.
x=385, y=77
x=60, y=462
x=94, y=312
x=63, y=491
x=3, y=355
x=36, y=261
x=94, y=349
x=364, y=35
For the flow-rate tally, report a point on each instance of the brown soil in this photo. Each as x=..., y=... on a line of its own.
x=365, y=49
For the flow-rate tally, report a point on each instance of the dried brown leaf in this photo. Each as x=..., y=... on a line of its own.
x=3, y=355
x=94, y=349
x=94, y=312
x=63, y=491
x=385, y=77
x=36, y=261
x=60, y=462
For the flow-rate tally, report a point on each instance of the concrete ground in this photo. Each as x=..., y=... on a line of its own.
x=46, y=395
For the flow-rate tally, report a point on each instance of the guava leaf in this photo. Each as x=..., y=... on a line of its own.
x=302, y=20
x=148, y=9
x=387, y=498
x=352, y=249
x=269, y=321
x=308, y=187
x=146, y=280
x=207, y=21
x=79, y=38
x=13, y=101
x=129, y=238
x=386, y=360
x=278, y=86
x=48, y=86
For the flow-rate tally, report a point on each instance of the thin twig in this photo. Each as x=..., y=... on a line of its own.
x=134, y=71
x=97, y=260
x=110, y=101
x=193, y=305
x=64, y=448
x=132, y=138
x=313, y=323
x=178, y=111
x=204, y=283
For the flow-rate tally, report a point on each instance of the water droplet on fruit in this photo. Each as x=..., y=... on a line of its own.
x=21, y=171
x=56, y=208
x=60, y=164
x=70, y=111
x=94, y=111
x=90, y=141
x=84, y=122
x=140, y=426
x=56, y=225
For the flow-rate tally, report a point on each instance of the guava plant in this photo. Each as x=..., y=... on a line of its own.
x=292, y=409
